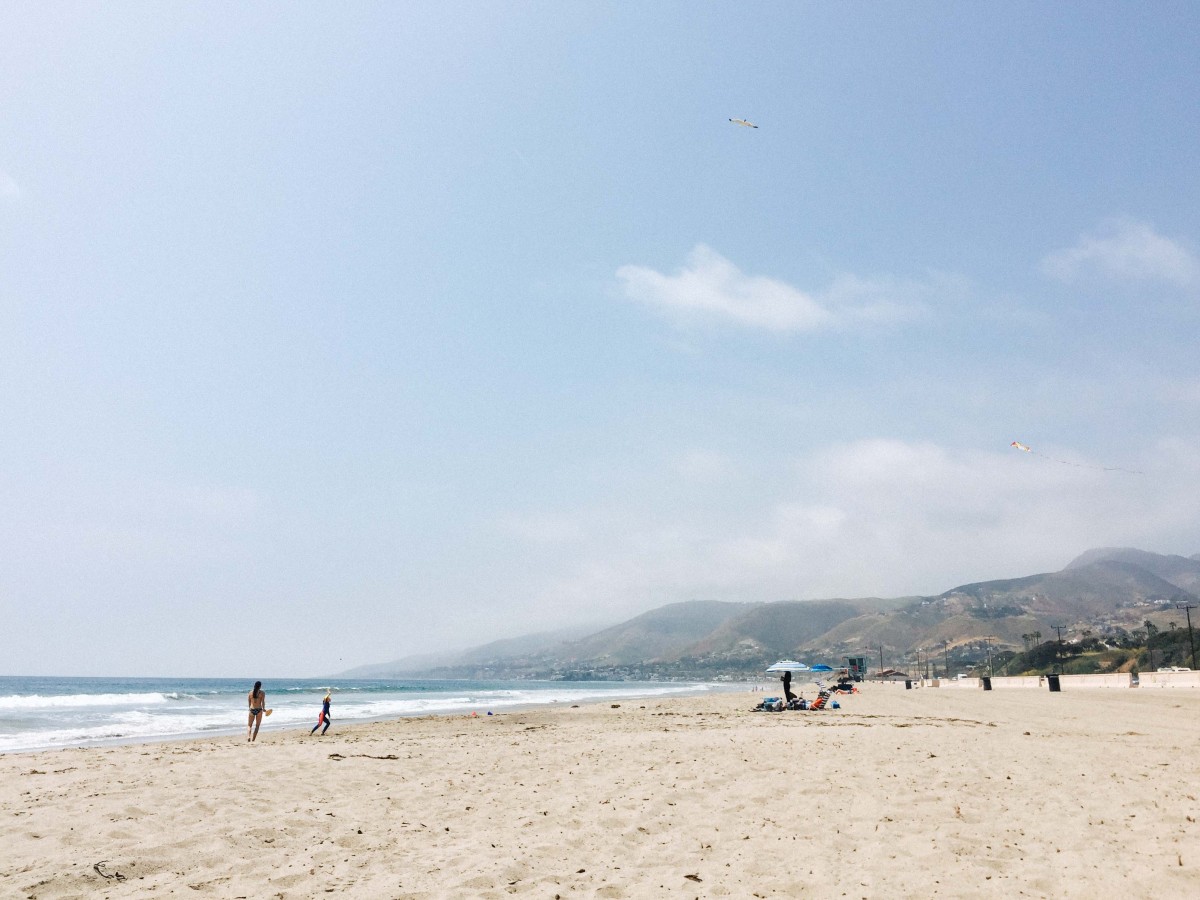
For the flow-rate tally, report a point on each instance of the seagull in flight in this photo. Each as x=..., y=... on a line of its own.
x=743, y=123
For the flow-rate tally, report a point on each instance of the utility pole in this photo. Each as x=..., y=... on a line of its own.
x=881, y=657
x=1191, y=642
x=1058, y=649
x=946, y=657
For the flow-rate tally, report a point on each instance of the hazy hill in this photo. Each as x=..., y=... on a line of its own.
x=1097, y=593
x=501, y=651
x=661, y=634
x=1182, y=571
x=774, y=629
x=1106, y=591
x=1086, y=591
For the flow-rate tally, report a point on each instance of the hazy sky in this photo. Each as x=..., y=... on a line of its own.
x=331, y=333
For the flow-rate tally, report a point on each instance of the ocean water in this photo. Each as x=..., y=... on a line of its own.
x=46, y=713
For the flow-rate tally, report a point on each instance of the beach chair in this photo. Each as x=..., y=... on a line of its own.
x=822, y=699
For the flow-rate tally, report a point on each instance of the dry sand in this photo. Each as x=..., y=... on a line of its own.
x=922, y=793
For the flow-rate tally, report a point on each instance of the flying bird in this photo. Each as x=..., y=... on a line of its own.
x=743, y=123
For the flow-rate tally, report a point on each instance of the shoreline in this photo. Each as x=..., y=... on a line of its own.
x=897, y=794
x=353, y=703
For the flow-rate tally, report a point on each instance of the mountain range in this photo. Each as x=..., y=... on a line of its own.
x=1104, y=592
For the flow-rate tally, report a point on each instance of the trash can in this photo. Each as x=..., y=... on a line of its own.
x=908, y=684
x=987, y=683
x=1054, y=683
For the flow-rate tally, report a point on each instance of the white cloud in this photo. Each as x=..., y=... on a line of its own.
x=876, y=517
x=882, y=301
x=710, y=287
x=1127, y=250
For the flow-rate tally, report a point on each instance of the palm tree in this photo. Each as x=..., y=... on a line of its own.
x=1025, y=638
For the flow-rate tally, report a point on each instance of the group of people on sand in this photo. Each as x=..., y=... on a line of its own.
x=791, y=701
x=257, y=700
x=844, y=684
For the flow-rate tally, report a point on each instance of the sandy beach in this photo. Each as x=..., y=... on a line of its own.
x=900, y=793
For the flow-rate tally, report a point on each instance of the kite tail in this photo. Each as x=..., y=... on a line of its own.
x=1066, y=462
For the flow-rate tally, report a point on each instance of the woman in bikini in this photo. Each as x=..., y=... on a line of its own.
x=258, y=703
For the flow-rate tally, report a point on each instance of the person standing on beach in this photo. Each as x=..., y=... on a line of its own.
x=324, y=716
x=258, y=703
x=788, y=696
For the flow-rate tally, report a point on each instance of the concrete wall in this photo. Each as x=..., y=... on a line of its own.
x=899, y=684
x=973, y=684
x=1108, y=680
x=1068, y=682
x=1004, y=682
x=1169, y=679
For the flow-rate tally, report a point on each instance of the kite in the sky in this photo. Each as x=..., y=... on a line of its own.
x=743, y=123
x=1017, y=445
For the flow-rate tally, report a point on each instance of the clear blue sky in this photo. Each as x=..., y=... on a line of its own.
x=334, y=333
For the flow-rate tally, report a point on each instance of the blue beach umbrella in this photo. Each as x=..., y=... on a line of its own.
x=788, y=665
x=821, y=667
